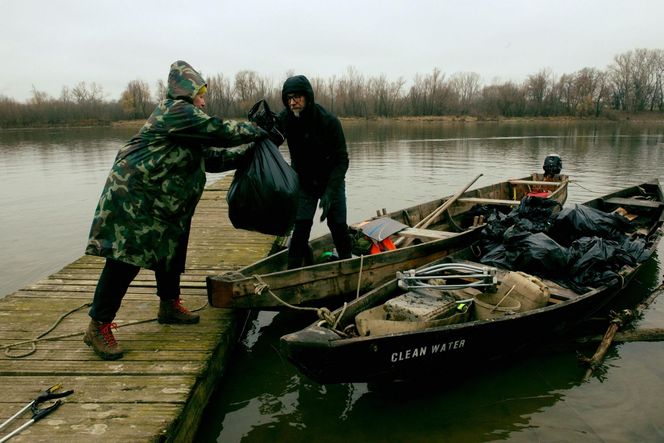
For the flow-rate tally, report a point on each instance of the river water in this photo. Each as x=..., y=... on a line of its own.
x=51, y=180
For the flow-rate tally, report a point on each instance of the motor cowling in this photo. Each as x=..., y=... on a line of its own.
x=553, y=164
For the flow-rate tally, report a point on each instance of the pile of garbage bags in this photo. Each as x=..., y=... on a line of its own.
x=579, y=247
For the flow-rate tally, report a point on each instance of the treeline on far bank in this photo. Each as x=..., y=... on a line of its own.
x=633, y=83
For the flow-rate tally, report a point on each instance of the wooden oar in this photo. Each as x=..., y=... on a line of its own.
x=426, y=221
x=643, y=334
x=617, y=322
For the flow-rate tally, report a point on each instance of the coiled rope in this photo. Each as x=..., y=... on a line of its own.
x=33, y=342
x=324, y=314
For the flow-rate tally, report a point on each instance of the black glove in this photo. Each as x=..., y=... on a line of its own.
x=261, y=116
x=276, y=136
x=262, y=133
x=325, y=203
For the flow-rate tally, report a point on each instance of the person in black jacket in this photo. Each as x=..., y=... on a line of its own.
x=318, y=154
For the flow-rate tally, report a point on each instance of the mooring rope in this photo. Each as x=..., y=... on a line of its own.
x=33, y=342
x=323, y=313
x=574, y=182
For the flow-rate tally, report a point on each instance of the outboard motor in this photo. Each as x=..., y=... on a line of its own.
x=553, y=164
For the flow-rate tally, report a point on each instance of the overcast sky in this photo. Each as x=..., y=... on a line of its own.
x=49, y=44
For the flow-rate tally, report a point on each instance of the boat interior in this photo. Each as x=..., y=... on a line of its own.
x=460, y=290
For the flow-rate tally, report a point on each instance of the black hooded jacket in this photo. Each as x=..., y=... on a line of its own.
x=315, y=140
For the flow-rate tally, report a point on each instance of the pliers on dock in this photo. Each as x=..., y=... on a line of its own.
x=37, y=412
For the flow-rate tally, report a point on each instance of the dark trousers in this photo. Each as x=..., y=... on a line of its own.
x=299, y=253
x=116, y=277
x=114, y=281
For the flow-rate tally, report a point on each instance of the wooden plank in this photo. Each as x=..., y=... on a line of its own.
x=159, y=389
x=489, y=201
x=534, y=182
x=633, y=202
x=427, y=233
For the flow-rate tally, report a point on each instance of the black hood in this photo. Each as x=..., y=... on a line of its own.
x=298, y=83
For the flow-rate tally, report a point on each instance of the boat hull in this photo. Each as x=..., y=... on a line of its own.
x=328, y=356
x=267, y=284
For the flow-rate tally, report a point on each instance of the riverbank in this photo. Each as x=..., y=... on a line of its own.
x=609, y=117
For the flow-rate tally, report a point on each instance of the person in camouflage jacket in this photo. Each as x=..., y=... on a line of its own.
x=145, y=209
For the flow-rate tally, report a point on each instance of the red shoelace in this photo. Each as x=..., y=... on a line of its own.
x=107, y=334
x=177, y=303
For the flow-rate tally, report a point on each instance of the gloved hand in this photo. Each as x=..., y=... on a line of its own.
x=262, y=133
x=325, y=203
x=276, y=136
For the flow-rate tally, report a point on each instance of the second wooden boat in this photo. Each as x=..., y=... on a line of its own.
x=268, y=284
x=473, y=313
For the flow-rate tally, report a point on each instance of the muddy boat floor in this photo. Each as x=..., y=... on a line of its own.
x=158, y=391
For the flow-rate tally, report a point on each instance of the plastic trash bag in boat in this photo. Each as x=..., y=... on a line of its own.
x=583, y=221
x=597, y=260
x=534, y=253
x=538, y=254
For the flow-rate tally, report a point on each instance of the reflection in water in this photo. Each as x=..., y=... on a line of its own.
x=51, y=181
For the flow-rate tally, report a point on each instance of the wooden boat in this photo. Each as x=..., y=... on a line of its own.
x=384, y=335
x=259, y=284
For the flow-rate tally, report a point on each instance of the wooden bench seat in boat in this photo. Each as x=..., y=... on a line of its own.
x=636, y=202
x=489, y=201
x=558, y=293
x=533, y=182
x=427, y=233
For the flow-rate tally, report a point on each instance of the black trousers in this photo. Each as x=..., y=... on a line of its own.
x=116, y=277
x=114, y=281
x=299, y=253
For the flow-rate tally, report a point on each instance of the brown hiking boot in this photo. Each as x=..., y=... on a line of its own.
x=172, y=312
x=100, y=338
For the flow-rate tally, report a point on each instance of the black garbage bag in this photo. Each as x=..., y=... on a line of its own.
x=261, y=114
x=263, y=194
x=537, y=210
x=537, y=254
x=496, y=224
x=522, y=228
x=597, y=261
x=497, y=256
x=637, y=248
x=583, y=221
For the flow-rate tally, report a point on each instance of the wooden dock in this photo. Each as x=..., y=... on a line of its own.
x=158, y=391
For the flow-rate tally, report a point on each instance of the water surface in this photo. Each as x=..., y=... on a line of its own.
x=51, y=180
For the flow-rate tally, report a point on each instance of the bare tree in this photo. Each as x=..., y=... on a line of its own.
x=507, y=99
x=466, y=87
x=135, y=100
x=384, y=95
x=161, y=90
x=351, y=94
x=220, y=95
x=620, y=74
x=658, y=95
x=539, y=89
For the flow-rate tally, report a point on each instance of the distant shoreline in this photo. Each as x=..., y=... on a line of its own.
x=614, y=118
x=649, y=118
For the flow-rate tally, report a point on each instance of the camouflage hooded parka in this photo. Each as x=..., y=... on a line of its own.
x=145, y=209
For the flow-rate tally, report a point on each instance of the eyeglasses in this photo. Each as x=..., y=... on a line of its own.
x=294, y=97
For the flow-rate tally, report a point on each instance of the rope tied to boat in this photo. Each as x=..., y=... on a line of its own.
x=323, y=313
